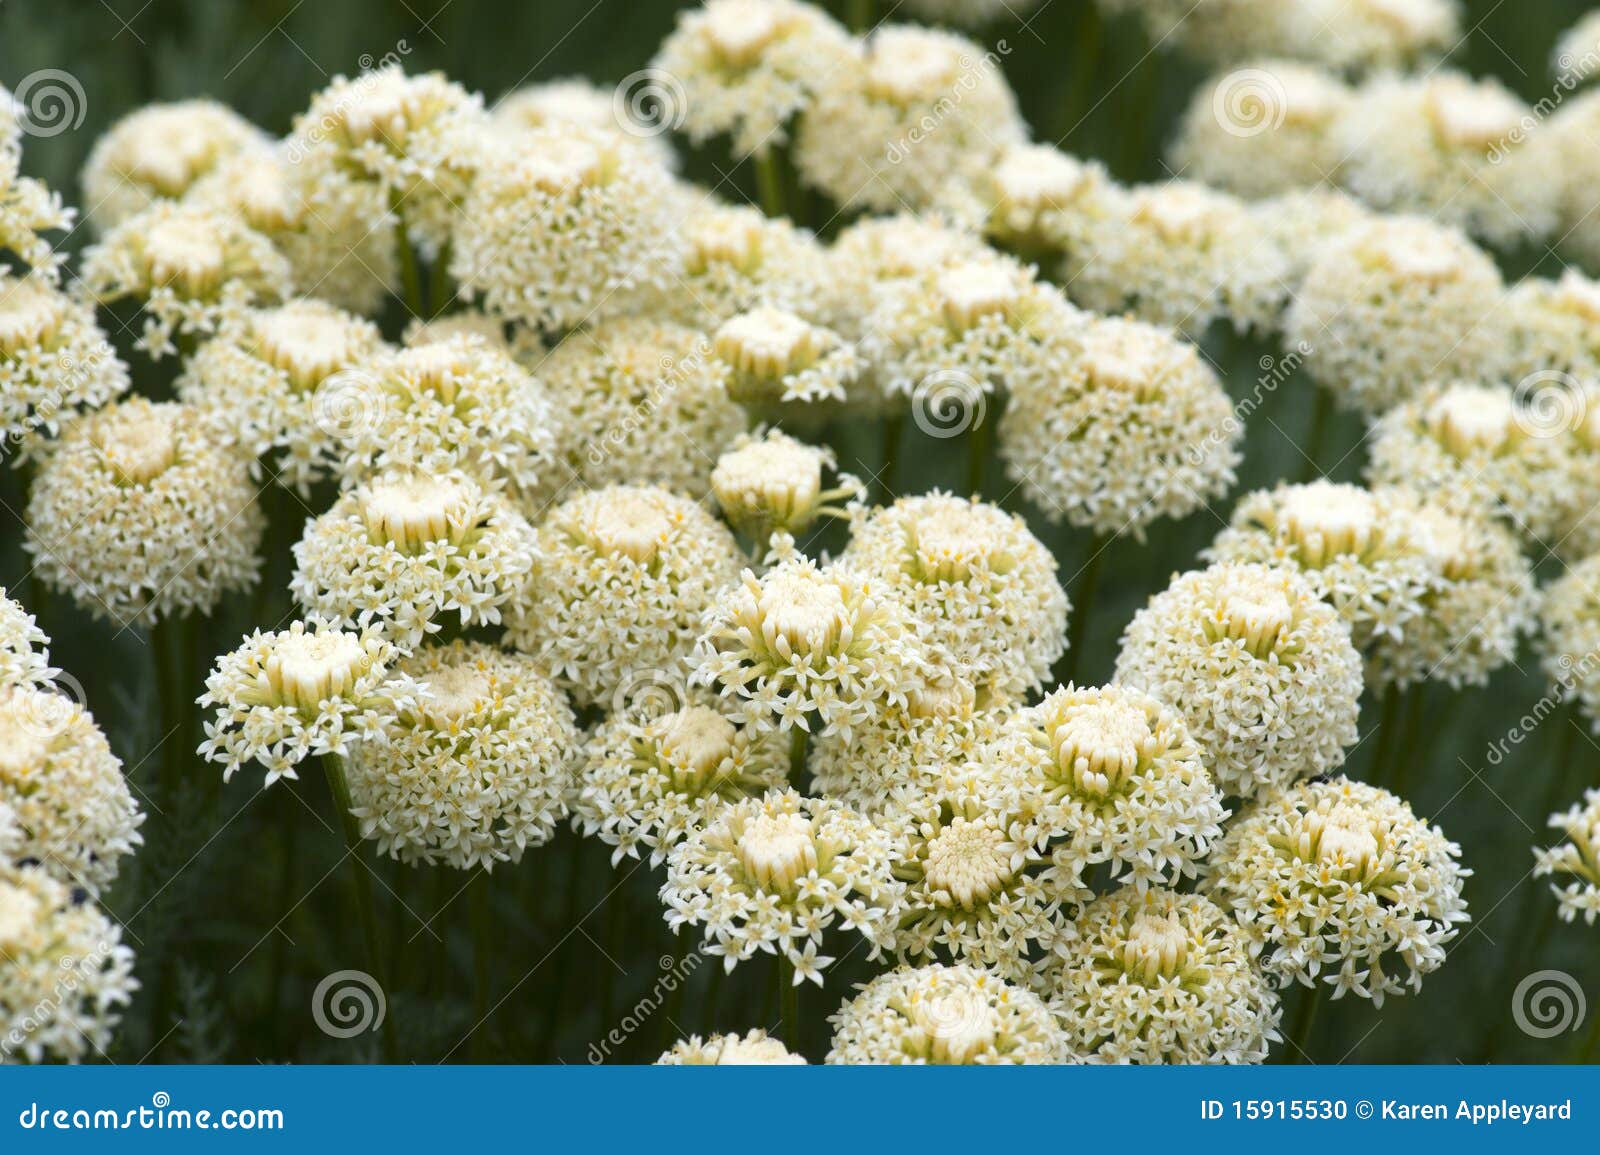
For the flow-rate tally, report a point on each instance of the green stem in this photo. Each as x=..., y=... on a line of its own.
x=799, y=746
x=1388, y=721
x=673, y=1006
x=1082, y=607
x=441, y=289
x=616, y=937
x=1305, y=1021
x=288, y=824
x=166, y=646
x=1140, y=118
x=1317, y=434
x=978, y=452
x=482, y=956
x=894, y=424
x=789, y=1000
x=1087, y=41
x=769, y=182
x=708, y=1012
x=410, y=276
x=1410, y=732
x=366, y=904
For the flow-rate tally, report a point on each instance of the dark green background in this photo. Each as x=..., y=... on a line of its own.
x=204, y=899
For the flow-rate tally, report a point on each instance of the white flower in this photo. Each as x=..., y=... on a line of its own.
x=1577, y=858
x=54, y=360
x=755, y=1049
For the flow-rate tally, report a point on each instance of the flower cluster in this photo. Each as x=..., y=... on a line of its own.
x=1578, y=857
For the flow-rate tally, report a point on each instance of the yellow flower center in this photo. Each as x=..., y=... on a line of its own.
x=455, y=694
x=24, y=742
x=379, y=110
x=693, y=745
x=741, y=30
x=562, y=163
x=967, y=863
x=958, y=1025
x=1343, y=837
x=726, y=237
x=138, y=444
x=185, y=253
x=1177, y=212
x=1420, y=255
x=1157, y=947
x=950, y=544
x=910, y=69
x=803, y=613
x=627, y=524
x=1257, y=614
x=1036, y=178
x=1121, y=357
x=768, y=483
x=30, y=315
x=972, y=290
x=1468, y=115
x=19, y=913
x=768, y=343
x=305, y=670
x=1099, y=746
x=1324, y=521
x=776, y=849
x=412, y=513
x=307, y=343
x=1471, y=419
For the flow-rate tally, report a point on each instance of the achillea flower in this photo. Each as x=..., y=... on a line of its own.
x=1303, y=222
x=159, y=152
x=824, y=649
x=755, y=1049
x=620, y=581
x=981, y=590
x=190, y=268
x=1569, y=628
x=310, y=690
x=467, y=323
x=404, y=552
x=1577, y=51
x=67, y=972
x=456, y=404
x=1454, y=148
x=576, y=101
x=649, y=781
x=1393, y=304
x=1263, y=129
x=979, y=886
x=1573, y=132
x=1475, y=444
x=1119, y=780
x=773, y=483
x=1117, y=426
x=1157, y=977
x=1341, y=877
x=1037, y=200
x=1259, y=666
x=416, y=140
x=1363, y=552
x=54, y=360
x=1373, y=35
x=911, y=109
x=735, y=259
x=1480, y=604
x=139, y=514
x=266, y=383
x=945, y=1015
x=1182, y=255
x=28, y=209
x=566, y=227
x=1578, y=857
x=745, y=68
x=876, y=251
x=24, y=647
x=646, y=402
x=1553, y=328
x=775, y=873
x=779, y=364
x=326, y=230
x=476, y=770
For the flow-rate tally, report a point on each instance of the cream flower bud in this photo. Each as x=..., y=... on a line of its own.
x=775, y=483
x=754, y=1049
x=776, y=358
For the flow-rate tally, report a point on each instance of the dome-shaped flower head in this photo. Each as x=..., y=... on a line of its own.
x=1569, y=628
x=576, y=101
x=476, y=769
x=1262, y=129
x=421, y=331
x=139, y=513
x=273, y=383
x=953, y=1015
x=1117, y=779
x=1447, y=146
x=866, y=140
x=755, y=1049
x=1476, y=444
x=1116, y=425
x=979, y=885
x=775, y=873
x=647, y=781
x=1572, y=132
x=822, y=648
x=875, y=251
x=29, y=209
x=1553, y=328
x=1394, y=304
x=1340, y=879
x=1371, y=35
x=565, y=226
x=1215, y=31
x=1303, y=222
x=54, y=359
x=1576, y=53
x=745, y=68
x=189, y=268
x=310, y=690
x=1156, y=977
x=416, y=139
x=735, y=259
x=981, y=590
x=410, y=551
x=455, y=404
x=1480, y=603
x=159, y=152
x=67, y=972
x=645, y=403
x=1034, y=200
x=1577, y=859
x=621, y=579
x=1259, y=666
x=773, y=483
x=64, y=788
x=1362, y=551
x=24, y=647
x=777, y=364
x=1182, y=255
x=329, y=231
